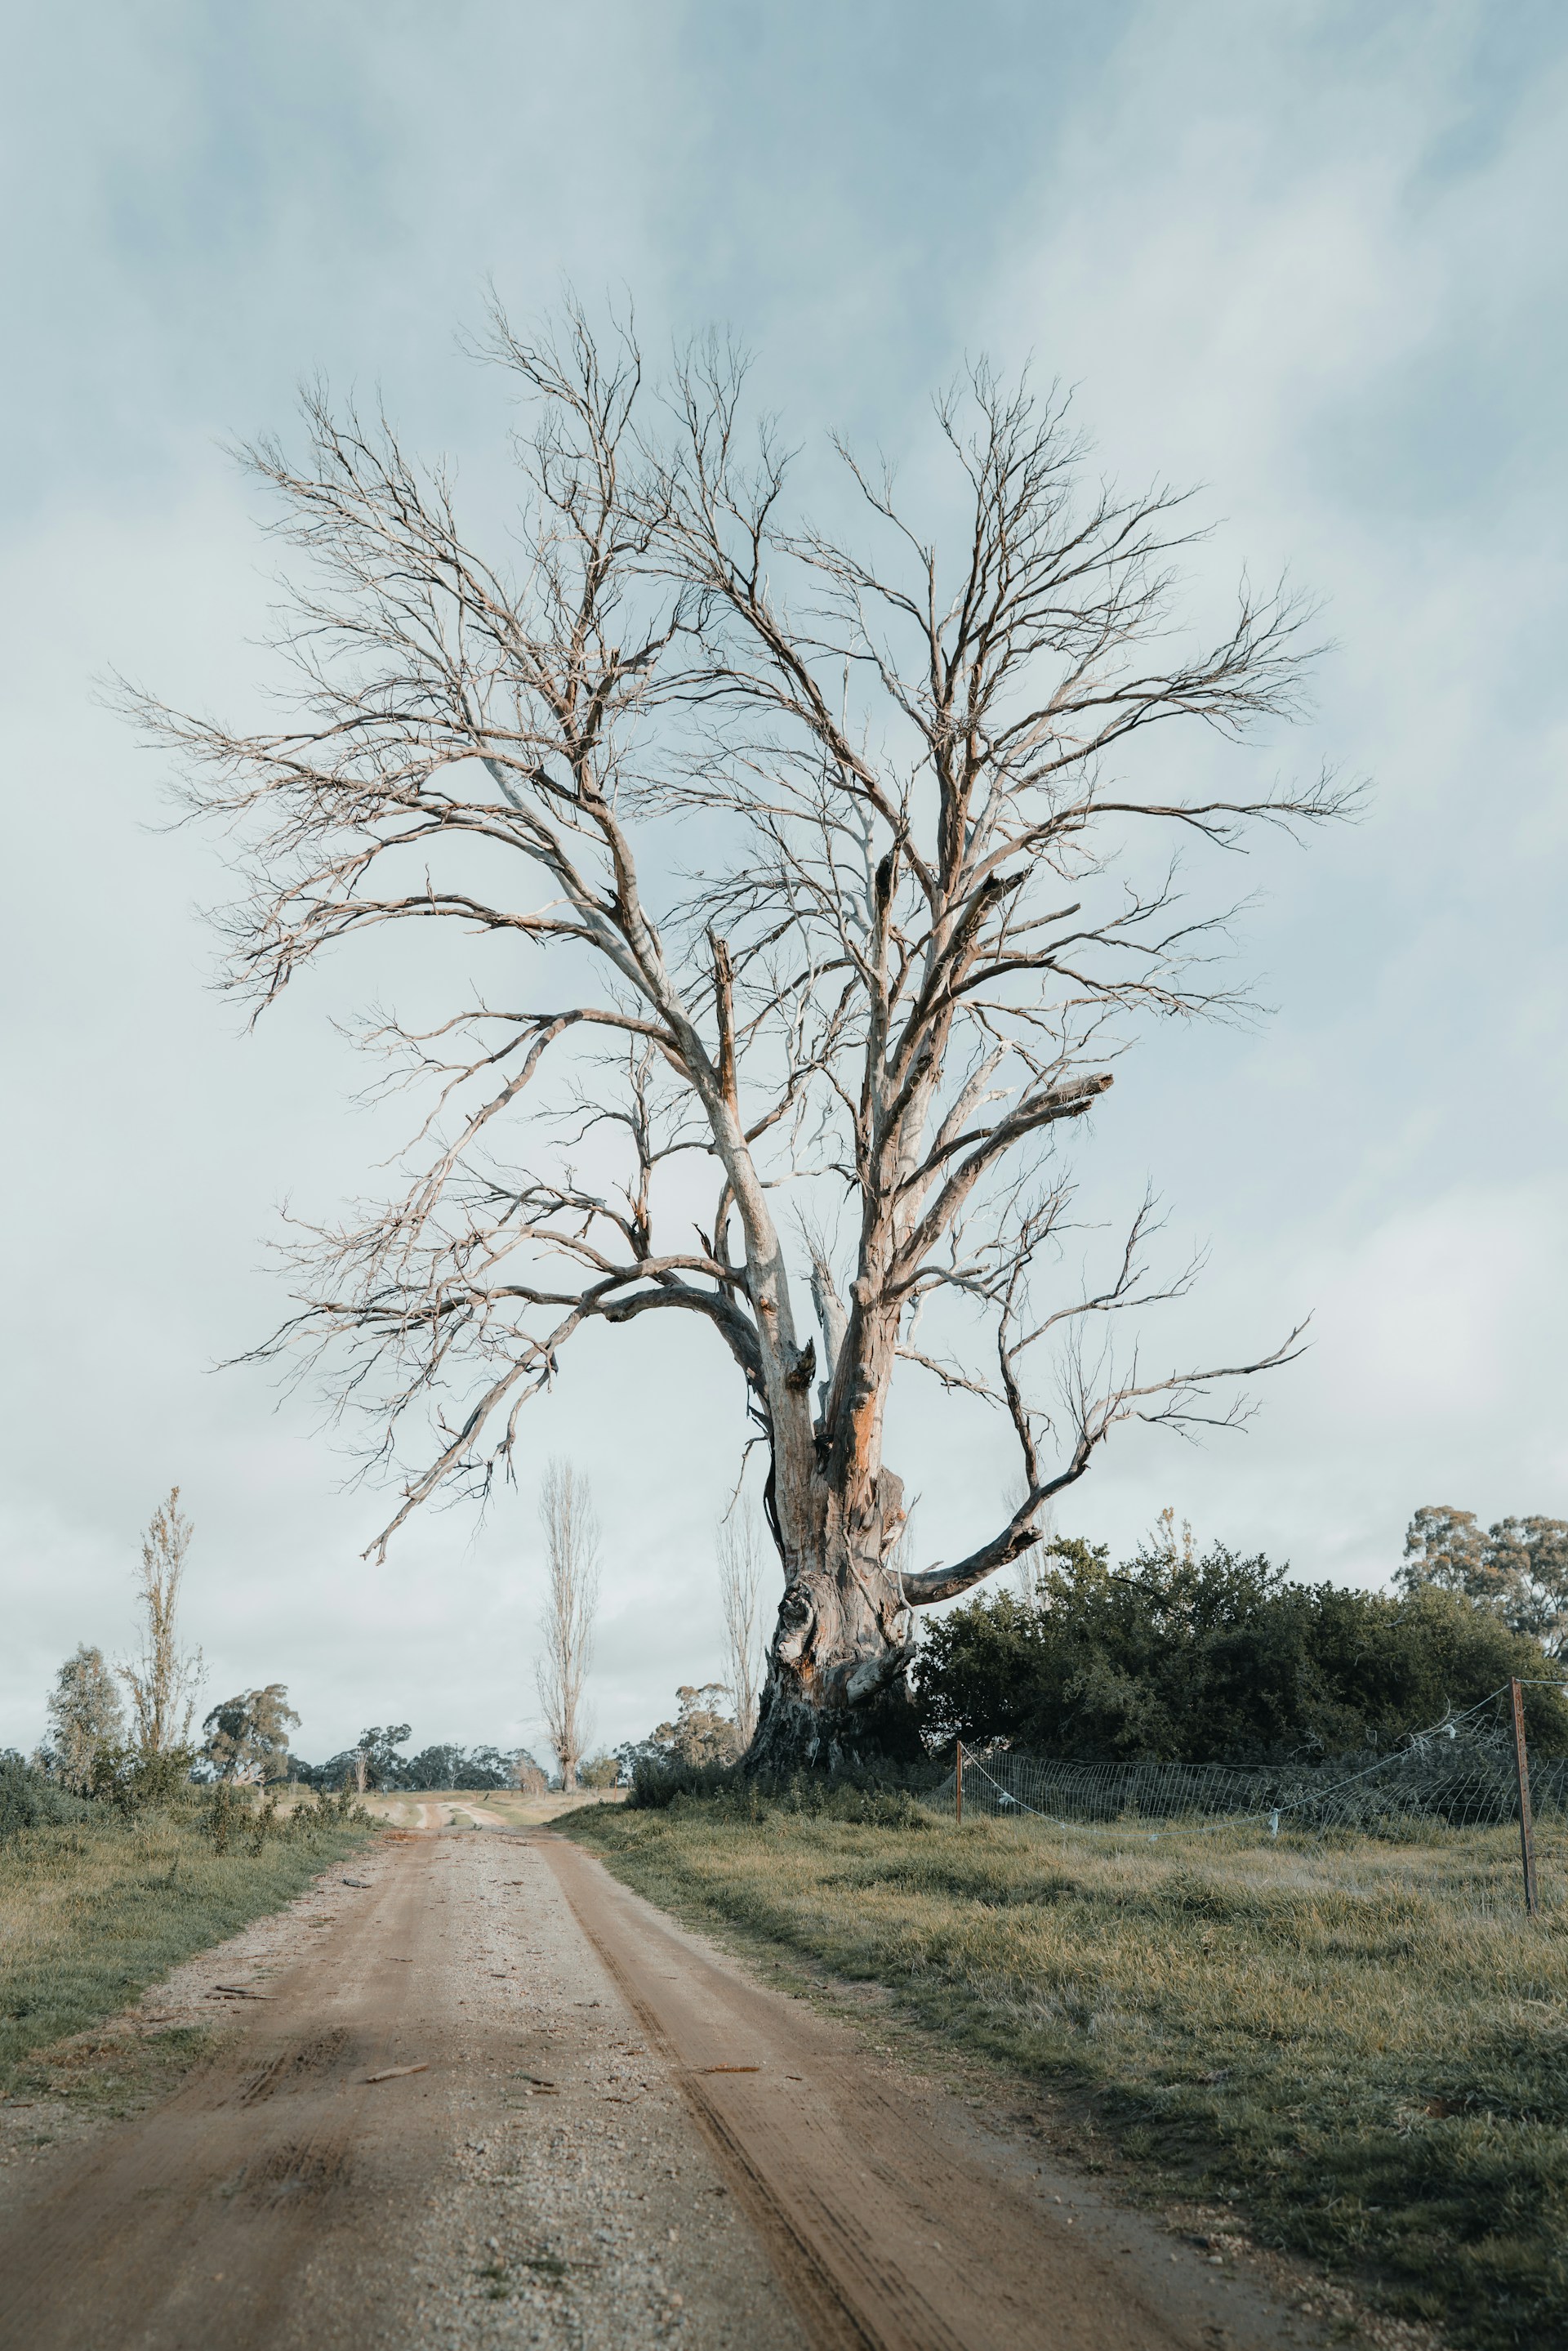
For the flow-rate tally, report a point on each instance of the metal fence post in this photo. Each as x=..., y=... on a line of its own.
x=1526, y=1827
x=958, y=1787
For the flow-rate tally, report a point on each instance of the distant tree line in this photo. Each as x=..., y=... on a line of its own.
x=1516, y=1570
x=1169, y=1656
x=93, y=1748
x=375, y=1763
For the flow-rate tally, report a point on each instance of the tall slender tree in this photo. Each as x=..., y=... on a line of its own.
x=740, y=1597
x=163, y=1679
x=914, y=769
x=571, y=1604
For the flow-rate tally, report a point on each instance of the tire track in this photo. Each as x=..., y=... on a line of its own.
x=891, y=2223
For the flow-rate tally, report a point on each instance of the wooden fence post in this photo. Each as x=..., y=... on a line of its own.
x=958, y=1787
x=1526, y=1827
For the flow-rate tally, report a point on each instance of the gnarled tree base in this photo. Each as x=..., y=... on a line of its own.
x=793, y=1736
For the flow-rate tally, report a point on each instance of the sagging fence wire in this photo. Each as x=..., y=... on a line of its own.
x=1464, y=1784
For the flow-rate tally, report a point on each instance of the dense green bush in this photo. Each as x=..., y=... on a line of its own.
x=28, y=1800
x=146, y=1784
x=658, y=1779
x=1218, y=1660
x=886, y=1792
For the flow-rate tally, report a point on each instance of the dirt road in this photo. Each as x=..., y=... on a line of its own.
x=616, y=2138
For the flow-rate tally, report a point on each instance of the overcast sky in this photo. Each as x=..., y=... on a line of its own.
x=1311, y=256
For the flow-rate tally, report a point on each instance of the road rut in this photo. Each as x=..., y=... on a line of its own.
x=895, y=2222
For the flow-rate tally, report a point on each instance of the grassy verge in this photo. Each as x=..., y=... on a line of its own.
x=1378, y=2077
x=94, y=1911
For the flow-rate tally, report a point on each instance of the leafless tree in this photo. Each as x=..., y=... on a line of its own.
x=924, y=914
x=163, y=1681
x=571, y=1604
x=740, y=1594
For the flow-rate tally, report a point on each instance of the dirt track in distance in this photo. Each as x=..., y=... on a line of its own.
x=618, y=2138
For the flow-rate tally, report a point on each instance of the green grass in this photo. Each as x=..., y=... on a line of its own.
x=93, y=1912
x=1377, y=2075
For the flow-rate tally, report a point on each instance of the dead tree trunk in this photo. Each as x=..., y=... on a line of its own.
x=837, y=1688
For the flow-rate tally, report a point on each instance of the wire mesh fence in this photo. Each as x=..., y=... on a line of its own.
x=1460, y=1810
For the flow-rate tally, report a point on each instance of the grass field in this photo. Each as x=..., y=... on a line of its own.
x=94, y=1911
x=1378, y=2077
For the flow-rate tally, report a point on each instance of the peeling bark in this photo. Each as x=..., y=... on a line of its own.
x=837, y=1686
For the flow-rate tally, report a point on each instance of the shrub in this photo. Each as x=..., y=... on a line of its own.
x=143, y=1784
x=886, y=1793
x=28, y=1800
x=224, y=1806
x=657, y=1781
x=1219, y=1660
